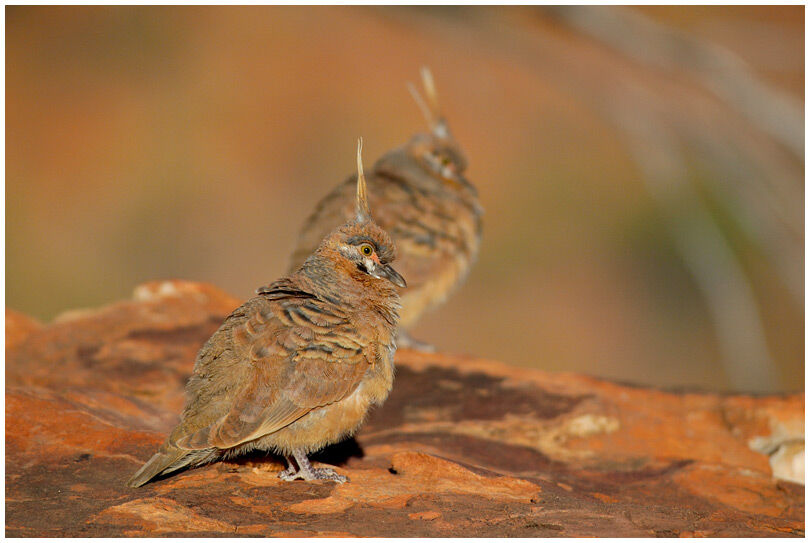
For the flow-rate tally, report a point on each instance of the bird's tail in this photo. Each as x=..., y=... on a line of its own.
x=167, y=460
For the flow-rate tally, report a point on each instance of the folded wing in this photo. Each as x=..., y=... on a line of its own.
x=289, y=353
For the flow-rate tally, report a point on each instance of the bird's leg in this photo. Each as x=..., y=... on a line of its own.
x=405, y=341
x=308, y=473
x=289, y=473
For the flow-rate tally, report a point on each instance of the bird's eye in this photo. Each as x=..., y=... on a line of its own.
x=366, y=249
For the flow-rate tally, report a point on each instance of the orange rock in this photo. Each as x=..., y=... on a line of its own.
x=425, y=515
x=19, y=327
x=158, y=516
x=604, y=497
x=462, y=447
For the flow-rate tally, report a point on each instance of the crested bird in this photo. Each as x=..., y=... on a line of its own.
x=422, y=199
x=298, y=366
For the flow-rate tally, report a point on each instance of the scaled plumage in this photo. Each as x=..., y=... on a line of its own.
x=298, y=366
x=422, y=199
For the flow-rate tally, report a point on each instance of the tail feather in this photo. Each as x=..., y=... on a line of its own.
x=166, y=460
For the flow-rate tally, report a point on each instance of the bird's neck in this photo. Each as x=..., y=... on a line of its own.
x=341, y=283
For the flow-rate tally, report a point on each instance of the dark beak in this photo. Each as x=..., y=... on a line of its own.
x=392, y=275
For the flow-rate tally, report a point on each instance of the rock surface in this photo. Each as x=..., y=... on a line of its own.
x=463, y=447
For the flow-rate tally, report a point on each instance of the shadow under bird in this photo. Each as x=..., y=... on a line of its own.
x=298, y=366
x=422, y=199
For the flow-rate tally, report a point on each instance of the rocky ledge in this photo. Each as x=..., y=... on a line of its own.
x=463, y=446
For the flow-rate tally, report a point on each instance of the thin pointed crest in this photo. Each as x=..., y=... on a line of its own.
x=426, y=112
x=430, y=90
x=430, y=109
x=363, y=212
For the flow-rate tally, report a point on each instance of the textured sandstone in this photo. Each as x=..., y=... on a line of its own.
x=18, y=327
x=463, y=447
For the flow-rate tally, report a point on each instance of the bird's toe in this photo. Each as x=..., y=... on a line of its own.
x=328, y=474
x=289, y=474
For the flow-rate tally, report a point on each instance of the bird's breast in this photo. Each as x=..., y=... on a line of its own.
x=379, y=378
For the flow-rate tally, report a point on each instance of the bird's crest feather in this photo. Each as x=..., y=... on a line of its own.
x=363, y=212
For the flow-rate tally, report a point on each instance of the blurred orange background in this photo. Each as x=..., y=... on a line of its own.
x=642, y=169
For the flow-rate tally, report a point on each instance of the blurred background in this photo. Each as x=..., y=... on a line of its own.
x=642, y=169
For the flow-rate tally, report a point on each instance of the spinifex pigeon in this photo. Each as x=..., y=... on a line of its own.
x=298, y=366
x=421, y=198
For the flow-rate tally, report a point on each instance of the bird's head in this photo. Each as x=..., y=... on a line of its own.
x=441, y=158
x=435, y=152
x=360, y=247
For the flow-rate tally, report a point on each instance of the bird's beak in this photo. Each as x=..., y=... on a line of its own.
x=387, y=272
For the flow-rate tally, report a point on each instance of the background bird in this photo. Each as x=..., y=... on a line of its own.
x=298, y=366
x=422, y=199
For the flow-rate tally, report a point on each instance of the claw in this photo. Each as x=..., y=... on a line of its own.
x=328, y=474
x=306, y=472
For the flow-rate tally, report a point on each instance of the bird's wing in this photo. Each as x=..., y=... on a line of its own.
x=299, y=355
